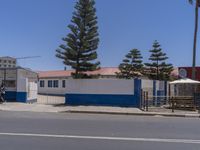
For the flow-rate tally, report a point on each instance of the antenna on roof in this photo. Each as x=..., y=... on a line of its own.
x=28, y=57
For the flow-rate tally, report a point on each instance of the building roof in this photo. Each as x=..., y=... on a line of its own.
x=105, y=71
x=185, y=81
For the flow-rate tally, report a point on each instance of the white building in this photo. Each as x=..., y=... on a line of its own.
x=7, y=62
x=54, y=82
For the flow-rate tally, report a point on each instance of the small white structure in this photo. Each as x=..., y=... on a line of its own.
x=184, y=87
x=20, y=84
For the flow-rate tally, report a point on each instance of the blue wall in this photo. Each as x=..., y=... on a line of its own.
x=12, y=96
x=21, y=97
x=107, y=99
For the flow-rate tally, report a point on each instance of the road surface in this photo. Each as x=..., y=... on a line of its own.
x=56, y=131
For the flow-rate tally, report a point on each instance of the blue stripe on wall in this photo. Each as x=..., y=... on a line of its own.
x=21, y=97
x=101, y=99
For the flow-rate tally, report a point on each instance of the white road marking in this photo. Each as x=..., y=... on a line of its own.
x=186, y=141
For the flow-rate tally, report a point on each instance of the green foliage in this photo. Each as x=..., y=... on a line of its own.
x=131, y=66
x=192, y=2
x=158, y=69
x=79, y=50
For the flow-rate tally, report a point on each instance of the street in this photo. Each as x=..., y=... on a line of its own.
x=57, y=131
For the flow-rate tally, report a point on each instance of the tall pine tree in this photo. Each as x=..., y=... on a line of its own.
x=158, y=69
x=131, y=66
x=79, y=50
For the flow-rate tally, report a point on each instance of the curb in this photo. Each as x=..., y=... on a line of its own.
x=135, y=114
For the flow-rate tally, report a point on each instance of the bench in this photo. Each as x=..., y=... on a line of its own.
x=183, y=102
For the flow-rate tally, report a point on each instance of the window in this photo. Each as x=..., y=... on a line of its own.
x=10, y=83
x=5, y=66
x=63, y=83
x=5, y=61
x=41, y=83
x=9, y=61
x=49, y=83
x=55, y=83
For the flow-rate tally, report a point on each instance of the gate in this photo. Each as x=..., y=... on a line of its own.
x=50, y=99
x=149, y=101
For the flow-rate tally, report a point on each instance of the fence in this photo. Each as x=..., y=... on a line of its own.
x=148, y=101
x=170, y=102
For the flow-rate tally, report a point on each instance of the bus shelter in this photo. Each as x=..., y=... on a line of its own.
x=183, y=93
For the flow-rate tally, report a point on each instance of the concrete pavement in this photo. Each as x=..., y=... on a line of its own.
x=94, y=109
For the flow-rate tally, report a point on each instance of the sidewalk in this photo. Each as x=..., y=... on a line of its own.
x=94, y=109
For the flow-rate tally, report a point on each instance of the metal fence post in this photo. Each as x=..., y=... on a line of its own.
x=141, y=99
x=172, y=101
x=147, y=103
x=144, y=100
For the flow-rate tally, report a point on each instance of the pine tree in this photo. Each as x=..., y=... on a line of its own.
x=158, y=69
x=131, y=66
x=79, y=50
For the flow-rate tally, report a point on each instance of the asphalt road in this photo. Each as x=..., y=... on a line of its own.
x=54, y=131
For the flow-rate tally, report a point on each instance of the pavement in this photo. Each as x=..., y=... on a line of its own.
x=35, y=107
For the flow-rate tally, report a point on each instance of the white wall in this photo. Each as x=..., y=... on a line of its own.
x=89, y=86
x=32, y=90
x=22, y=85
x=100, y=86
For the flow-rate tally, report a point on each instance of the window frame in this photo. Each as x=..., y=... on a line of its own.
x=42, y=83
x=55, y=83
x=63, y=83
x=50, y=84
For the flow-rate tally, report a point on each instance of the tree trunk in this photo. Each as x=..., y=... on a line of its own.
x=195, y=40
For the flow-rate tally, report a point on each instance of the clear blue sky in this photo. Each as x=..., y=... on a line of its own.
x=35, y=27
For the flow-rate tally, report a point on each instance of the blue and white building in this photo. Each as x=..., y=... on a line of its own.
x=20, y=84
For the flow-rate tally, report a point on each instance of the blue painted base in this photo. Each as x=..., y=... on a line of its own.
x=102, y=100
x=12, y=96
x=21, y=97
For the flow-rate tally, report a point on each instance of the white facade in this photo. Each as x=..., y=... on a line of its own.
x=7, y=62
x=52, y=86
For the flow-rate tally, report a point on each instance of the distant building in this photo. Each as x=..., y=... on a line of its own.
x=7, y=62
